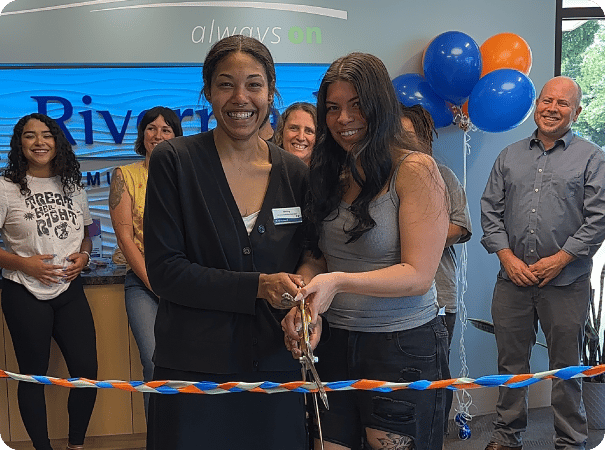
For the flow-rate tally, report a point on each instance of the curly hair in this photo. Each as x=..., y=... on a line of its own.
x=64, y=164
x=278, y=137
x=171, y=119
x=384, y=137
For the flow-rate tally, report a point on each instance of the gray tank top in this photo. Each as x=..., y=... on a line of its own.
x=376, y=249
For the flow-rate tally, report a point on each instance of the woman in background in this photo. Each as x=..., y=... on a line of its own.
x=418, y=122
x=44, y=219
x=381, y=214
x=126, y=208
x=222, y=237
x=295, y=130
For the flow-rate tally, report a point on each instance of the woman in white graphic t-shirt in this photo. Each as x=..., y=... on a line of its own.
x=44, y=220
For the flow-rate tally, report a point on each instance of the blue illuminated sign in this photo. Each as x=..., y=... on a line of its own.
x=99, y=108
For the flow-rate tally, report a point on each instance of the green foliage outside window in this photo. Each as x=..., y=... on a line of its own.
x=583, y=59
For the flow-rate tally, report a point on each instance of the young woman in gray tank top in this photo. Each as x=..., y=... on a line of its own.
x=381, y=218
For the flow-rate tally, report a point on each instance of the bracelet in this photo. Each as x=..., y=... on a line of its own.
x=87, y=254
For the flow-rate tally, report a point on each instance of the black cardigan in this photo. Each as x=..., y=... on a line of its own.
x=204, y=266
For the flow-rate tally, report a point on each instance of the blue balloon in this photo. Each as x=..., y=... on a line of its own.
x=452, y=66
x=464, y=431
x=501, y=100
x=413, y=89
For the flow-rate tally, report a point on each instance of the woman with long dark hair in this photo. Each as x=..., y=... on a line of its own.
x=44, y=219
x=381, y=216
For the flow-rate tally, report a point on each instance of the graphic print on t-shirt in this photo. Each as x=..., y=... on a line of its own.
x=53, y=213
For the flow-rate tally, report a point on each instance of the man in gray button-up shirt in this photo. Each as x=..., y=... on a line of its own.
x=543, y=214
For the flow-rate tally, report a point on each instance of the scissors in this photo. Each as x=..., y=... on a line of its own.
x=308, y=360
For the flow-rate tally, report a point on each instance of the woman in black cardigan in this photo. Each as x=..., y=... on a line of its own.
x=222, y=237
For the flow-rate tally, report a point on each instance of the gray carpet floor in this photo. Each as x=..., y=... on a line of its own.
x=539, y=434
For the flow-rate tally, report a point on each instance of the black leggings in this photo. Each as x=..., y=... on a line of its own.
x=32, y=322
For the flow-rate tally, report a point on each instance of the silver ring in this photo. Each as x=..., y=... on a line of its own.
x=287, y=300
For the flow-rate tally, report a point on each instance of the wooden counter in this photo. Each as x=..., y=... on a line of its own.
x=116, y=411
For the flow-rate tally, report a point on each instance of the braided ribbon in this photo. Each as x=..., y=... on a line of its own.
x=267, y=387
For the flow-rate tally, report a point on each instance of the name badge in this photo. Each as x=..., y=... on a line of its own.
x=284, y=216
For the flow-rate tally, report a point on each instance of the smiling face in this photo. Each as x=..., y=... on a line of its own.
x=343, y=114
x=299, y=134
x=556, y=109
x=156, y=132
x=239, y=95
x=38, y=147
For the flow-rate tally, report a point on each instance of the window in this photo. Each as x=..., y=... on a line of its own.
x=580, y=54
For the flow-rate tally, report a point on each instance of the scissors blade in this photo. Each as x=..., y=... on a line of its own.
x=316, y=405
x=320, y=386
x=305, y=367
x=308, y=353
x=308, y=364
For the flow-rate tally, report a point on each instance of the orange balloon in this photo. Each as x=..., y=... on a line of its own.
x=505, y=51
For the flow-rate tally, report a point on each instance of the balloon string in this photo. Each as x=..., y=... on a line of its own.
x=463, y=120
x=466, y=151
x=463, y=398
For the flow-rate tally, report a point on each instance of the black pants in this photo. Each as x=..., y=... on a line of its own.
x=403, y=356
x=235, y=421
x=32, y=322
x=449, y=320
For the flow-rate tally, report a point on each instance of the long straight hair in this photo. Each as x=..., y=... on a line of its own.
x=383, y=139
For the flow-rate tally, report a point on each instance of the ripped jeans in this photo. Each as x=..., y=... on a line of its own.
x=404, y=356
